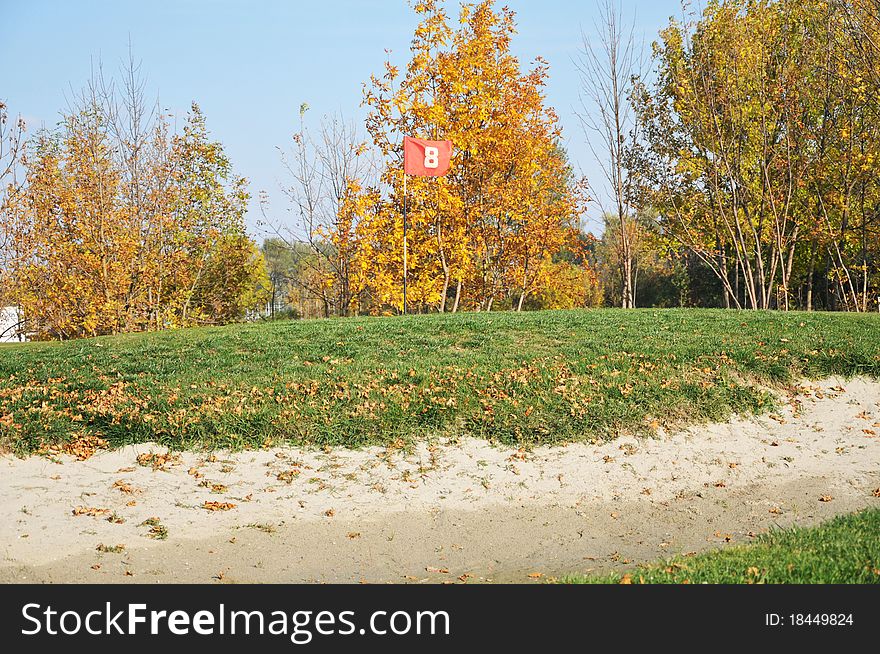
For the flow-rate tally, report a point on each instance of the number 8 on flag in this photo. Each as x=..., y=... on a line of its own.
x=426, y=158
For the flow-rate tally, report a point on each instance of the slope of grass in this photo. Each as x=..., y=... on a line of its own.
x=845, y=550
x=524, y=379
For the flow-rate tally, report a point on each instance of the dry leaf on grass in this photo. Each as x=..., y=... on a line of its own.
x=82, y=447
x=158, y=461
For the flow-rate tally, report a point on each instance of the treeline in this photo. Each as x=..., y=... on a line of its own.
x=741, y=159
x=113, y=223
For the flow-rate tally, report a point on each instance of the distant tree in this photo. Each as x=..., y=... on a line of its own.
x=325, y=173
x=11, y=150
x=608, y=65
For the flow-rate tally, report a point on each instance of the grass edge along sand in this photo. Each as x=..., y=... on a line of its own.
x=844, y=550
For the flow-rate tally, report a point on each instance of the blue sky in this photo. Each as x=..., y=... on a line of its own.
x=251, y=64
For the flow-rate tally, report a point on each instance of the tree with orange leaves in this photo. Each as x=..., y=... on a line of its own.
x=93, y=257
x=483, y=233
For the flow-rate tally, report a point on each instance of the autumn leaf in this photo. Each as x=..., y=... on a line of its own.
x=218, y=506
x=124, y=487
x=90, y=511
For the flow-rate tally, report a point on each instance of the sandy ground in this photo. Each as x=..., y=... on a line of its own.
x=461, y=512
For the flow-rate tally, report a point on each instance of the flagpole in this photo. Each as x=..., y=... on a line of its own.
x=404, y=241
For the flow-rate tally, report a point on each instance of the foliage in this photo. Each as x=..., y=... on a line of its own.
x=114, y=233
x=488, y=230
x=762, y=149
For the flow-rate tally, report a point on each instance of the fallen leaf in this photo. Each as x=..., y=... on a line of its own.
x=90, y=511
x=825, y=498
x=218, y=506
x=124, y=487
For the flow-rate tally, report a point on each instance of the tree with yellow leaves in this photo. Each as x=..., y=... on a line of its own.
x=116, y=232
x=481, y=234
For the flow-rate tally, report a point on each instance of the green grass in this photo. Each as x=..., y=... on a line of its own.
x=520, y=379
x=845, y=550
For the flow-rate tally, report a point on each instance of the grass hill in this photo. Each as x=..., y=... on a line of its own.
x=521, y=379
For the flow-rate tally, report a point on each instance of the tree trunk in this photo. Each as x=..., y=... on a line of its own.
x=457, y=297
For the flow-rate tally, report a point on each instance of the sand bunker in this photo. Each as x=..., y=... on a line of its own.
x=462, y=512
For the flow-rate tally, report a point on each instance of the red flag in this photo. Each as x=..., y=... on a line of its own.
x=426, y=158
